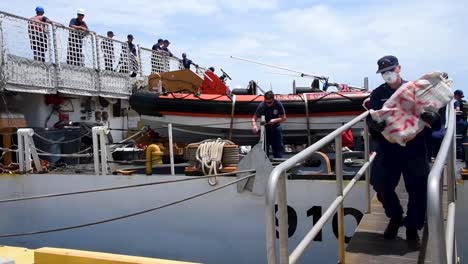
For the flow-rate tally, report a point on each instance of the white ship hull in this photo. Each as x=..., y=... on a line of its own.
x=221, y=227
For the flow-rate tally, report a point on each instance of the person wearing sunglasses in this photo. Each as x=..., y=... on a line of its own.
x=393, y=160
x=274, y=113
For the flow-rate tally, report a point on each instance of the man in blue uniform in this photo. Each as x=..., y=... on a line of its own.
x=187, y=62
x=274, y=113
x=393, y=160
x=75, y=39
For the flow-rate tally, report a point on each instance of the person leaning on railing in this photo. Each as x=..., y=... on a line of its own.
x=154, y=56
x=187, y=62
x=38, y=34
x=107, y=47
x=75, y=39
x=165, y=47
x=392, y=160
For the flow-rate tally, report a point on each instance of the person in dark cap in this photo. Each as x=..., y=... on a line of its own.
x=128, y=58
x=274, y=113
x=165, y=47
x=132, y=56
x=394, y=160
x=211, y=69
x=107, y=47
x=158, y=45
x=155, y=56
x=187, y=62
x=458, y=94
x=131, y=46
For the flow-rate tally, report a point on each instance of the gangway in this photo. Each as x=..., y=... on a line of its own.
x=367, y=245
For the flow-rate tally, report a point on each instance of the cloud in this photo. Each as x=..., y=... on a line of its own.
x=340, y=39
x=245, y=6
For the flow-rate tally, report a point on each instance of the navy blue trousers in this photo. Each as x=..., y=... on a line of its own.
x=274, y=138
x=411, y=161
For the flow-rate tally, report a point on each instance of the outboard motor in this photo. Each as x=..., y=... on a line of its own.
x=250, y=90
x=314, y=88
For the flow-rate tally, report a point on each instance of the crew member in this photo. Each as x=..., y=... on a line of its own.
x=274, y=113
x=38, y=33
x=392, y=160
x=107, y=47
x=165, y=47
x=187, y=62
x=75, y=39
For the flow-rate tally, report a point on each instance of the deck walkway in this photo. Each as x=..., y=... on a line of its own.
x=369, y=246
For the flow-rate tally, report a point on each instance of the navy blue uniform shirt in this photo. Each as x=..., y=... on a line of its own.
x=77, y=22
x=270, y=112
x=186, y=63
x=459, y=103
x=132, y=48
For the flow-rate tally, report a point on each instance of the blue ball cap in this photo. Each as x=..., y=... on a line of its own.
x=40, y=9
x=459, y=93
x=387, y=63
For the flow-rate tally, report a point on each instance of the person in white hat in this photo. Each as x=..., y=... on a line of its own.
x=75, y=39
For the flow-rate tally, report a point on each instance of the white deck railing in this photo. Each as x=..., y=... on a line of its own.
x=48, y=58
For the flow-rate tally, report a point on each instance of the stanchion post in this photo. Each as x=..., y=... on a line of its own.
x=283, y=220
x=339, y=192
x=262, y=134
x=102, y=140
x=368, y=170
x=20, y=151
x=171, y=149
x=95, y=150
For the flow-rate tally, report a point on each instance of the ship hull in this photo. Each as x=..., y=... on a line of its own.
x=222, y=227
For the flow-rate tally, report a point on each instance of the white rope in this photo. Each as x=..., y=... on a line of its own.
x=209, y=154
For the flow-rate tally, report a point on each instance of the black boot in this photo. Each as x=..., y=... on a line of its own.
x=412, y=238
x=412, y=234
x=392, y=228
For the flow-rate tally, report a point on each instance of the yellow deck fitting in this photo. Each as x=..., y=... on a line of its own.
x=153, y=151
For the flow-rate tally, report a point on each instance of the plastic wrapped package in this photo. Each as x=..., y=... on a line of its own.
x=402, y=110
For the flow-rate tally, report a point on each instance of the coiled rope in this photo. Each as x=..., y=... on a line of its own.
x=210, y=154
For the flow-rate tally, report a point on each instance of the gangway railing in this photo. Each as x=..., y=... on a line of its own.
x=442, y=240
x=276, y=190
x=48, y=58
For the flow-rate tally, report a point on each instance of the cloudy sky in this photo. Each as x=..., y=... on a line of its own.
x=341, y=39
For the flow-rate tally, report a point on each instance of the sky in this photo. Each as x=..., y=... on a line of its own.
x=340, y=39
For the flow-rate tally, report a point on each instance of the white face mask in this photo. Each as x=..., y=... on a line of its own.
x=390, y=77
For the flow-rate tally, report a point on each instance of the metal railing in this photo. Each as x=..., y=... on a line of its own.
x=442, y=236
x=276, y=188
x=48, y=58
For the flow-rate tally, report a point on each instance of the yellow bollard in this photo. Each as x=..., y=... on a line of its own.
x=153, y=150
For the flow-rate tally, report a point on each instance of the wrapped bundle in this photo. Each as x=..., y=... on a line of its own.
x=402, y=110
